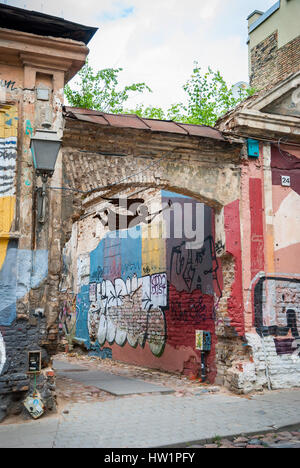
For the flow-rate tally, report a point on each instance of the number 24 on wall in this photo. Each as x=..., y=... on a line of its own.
x=285, y=181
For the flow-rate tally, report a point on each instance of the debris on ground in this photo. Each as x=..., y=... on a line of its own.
x=70, y=391
x=286, y=439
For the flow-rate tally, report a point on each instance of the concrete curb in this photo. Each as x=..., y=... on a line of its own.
x=233, y=436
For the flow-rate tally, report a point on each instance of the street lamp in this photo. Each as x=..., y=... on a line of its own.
x=45, y=146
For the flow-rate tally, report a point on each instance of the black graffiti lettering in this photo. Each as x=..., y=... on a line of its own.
x=8, y=84
x=219, y=247
x=200, y=255
x=277, y=330
x=158, y=284
x=196, y=311
x=189, y=264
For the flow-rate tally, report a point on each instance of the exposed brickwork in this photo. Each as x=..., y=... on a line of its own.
x=264, y=62
x=289, y=59
x=269, y=65
x=30, y=251
x=23, y=336
x=186, y=311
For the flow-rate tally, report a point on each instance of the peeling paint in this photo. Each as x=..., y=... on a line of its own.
x=21, y=271
x=2, y=354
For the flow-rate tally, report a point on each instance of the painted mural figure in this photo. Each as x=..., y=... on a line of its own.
x=277, y=314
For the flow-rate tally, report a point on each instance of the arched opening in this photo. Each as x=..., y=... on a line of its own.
x=192, y=287
x=146, y=267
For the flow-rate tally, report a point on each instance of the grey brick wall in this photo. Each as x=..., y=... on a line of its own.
x=23, y=336
x=270, y=64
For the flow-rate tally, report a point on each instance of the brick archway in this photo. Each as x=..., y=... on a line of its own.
x=108, y=162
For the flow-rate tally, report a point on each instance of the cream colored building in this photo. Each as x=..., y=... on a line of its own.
x=274, y=47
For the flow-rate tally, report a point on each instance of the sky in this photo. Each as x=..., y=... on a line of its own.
x=157, y=41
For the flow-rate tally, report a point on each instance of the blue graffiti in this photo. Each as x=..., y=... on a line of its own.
x=105, y=353
x=22, y=270
x=125, y=247
x=82, y=306
x=8, y=84
x=118, y=255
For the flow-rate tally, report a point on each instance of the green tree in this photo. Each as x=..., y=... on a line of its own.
x=208, y=96
x=149, y=112
x=100, y=90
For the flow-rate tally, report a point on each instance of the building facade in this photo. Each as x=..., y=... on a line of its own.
x=152, y=257
x=140, y=292
x=274, y=43
x=39, y=54
x=158, y=234
x=270, y=236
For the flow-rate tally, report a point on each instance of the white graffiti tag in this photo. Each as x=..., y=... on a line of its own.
x=129, y=311
x=2, y=354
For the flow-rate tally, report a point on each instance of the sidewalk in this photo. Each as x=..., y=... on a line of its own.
x=150, y=421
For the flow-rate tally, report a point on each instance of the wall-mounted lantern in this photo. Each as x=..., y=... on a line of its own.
x=45, y=146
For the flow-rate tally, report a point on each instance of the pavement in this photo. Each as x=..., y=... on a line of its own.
x=110, y=383
x=160, y=420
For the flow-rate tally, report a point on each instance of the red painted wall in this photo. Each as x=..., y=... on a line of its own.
x=235, y=302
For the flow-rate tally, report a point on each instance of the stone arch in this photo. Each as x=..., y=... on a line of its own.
x=208, y=174
x=225, y=263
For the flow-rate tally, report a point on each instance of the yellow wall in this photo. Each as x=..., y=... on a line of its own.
x=8, y=128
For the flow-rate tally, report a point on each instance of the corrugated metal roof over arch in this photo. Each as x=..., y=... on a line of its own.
x=139, y=123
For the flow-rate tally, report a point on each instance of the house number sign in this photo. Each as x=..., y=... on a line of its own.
x=285, y=181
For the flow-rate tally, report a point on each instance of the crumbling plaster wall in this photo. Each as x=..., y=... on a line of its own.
x=207, y=171
x=33, y=73
x=30, y=253
x=271, y=279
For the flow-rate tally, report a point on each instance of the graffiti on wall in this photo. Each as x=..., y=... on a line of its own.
x=67, y=317
x=195, y=269
x=129, y=311
x=277, y=312
x=276, y=297
x=20, y=269
x=144, y=291
x=194, y=273
x=119, y=304
x=2, y=354
x=8, y=84
x=8, y=154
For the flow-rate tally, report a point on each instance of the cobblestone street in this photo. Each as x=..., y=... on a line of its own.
x=277, y=440
x=193, y=416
